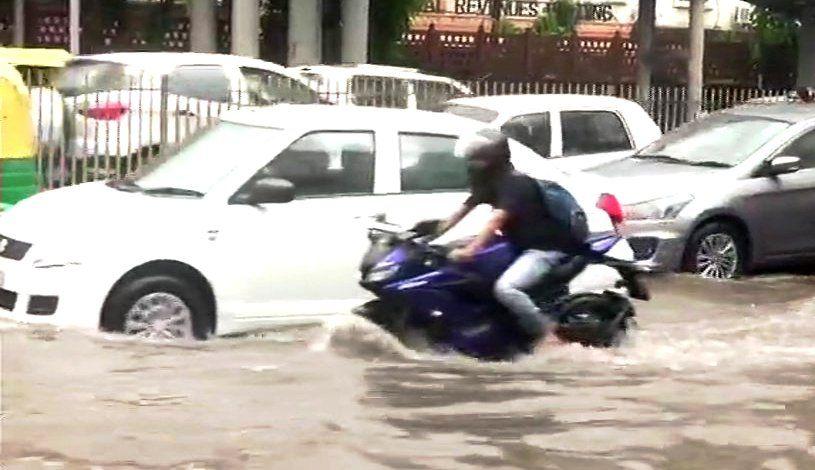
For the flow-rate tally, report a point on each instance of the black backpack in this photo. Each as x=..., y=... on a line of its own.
x=565, y=211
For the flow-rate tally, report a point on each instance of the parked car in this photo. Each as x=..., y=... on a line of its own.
x=381, y=85
x=580, y=131
x=124, y=106
x=257, y=222
x=729, y=192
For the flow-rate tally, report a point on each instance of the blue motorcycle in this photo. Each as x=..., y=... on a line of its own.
x=429, y=302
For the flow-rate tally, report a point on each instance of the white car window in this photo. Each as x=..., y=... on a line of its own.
x=327, y=164
x=387, y=92
x=532, y=130
x=205, y=82
x=429, y=162
x=265, y=88
x=430, y=95
x=587, y=132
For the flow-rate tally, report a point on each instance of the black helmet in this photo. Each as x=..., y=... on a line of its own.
x=487, y=151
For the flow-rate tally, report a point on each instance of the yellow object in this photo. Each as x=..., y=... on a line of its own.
x=18, y=173
x=54, y=58
x=17, y=138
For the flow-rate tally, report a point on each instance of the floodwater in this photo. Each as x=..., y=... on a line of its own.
x=721, y=375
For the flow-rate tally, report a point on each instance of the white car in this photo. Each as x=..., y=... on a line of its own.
x=115, y=108
x=381, y=85
x=576, y=131
x=211, y=242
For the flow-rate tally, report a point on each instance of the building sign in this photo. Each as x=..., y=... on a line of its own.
x=521, y=8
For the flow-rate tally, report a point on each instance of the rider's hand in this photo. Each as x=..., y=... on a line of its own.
x=462, y=255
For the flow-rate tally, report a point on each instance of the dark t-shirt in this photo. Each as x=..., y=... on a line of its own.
x=529, y=225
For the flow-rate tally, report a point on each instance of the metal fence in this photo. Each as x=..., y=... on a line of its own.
x=101, y=129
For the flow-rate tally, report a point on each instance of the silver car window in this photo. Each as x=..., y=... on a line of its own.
x=804, y=148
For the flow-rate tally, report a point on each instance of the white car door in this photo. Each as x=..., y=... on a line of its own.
x=298, y=260
x=585, y=138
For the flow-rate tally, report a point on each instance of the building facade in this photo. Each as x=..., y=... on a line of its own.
x=293, y=32
x=594, y=17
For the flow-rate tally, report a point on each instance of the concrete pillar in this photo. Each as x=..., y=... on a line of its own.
x=806, y=45
x=246, y=28
x=19, y=23
x=74, y=29
x=355, y=31
x=305, y=32
x=696, y=58
x=645, y=31
x=203, y=26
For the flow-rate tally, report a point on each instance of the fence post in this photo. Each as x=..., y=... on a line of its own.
x=480, y=44
x=616, y=58
x=528, y=53
x=430, y=43
x=163, y=112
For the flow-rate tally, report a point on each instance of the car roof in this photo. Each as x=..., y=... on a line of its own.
x=789, y=112
x=331, y=117
x=371, y=70
x=165, y=61
x=519, y=104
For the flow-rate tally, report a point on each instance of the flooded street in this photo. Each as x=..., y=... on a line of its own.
x=720, y=375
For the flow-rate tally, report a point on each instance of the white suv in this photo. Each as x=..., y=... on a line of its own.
x=576, y=131
x=211, y=241
x=116, y=108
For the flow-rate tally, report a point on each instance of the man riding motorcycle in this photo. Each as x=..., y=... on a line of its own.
x=521, y=214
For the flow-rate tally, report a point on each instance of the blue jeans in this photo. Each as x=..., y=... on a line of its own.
x=524, y=273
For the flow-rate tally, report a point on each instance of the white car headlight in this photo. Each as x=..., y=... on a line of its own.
x=657, y=209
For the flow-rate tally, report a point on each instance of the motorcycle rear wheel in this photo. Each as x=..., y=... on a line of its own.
x=595, y=320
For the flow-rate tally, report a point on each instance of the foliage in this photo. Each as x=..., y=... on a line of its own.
x=774, y=48
x=789, y=8
x=560, y=20
x=505, y=27
x=390, y=20
x=772, y=28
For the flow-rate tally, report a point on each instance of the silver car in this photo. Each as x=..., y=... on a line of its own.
x=732, y=191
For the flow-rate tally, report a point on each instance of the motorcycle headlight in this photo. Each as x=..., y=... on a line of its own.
x=658, y=209
x=382, y=272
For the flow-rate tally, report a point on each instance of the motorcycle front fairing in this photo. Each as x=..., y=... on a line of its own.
x=452, y=302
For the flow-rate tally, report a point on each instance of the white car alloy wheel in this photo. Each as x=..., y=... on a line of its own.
x=159, y=316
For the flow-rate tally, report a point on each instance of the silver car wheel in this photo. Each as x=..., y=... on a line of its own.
x=159, y=316
x=717, y=256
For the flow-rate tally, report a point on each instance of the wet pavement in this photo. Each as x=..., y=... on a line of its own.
x=720, y=375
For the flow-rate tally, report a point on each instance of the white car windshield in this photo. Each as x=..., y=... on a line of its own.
x=721, y=140
x=207, y=158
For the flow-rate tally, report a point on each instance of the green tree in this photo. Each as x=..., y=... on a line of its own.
x=505, y=27
x=775, y=45
x=560, y=20
x=390, y=20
